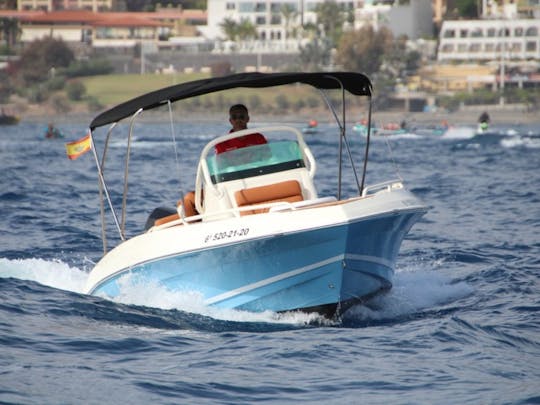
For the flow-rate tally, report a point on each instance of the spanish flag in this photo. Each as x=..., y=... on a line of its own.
x=77, y=148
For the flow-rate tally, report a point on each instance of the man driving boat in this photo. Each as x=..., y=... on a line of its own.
x=239, y=117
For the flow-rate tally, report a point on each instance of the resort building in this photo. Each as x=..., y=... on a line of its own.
x=489, y=40
x=500, y=50
x=111, y=29
x=413, y=19
x=275, y=21
x=56, y=5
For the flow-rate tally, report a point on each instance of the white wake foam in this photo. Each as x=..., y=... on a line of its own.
x=56, y=274
x=459, y=133
x=521, y=141
x=414, y=290
x=52, y=273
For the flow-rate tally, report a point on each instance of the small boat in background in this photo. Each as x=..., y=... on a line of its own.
x=403, y=128
x=6, y=119
x=386, y=130
x=311, y=128
x=429, y=129
x=51, y=132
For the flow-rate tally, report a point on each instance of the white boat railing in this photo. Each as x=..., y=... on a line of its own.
x=279, y=206
x=388, y=185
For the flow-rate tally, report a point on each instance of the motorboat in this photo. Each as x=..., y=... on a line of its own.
x=260, y=236
x=362, y=128
x=311, y=128
x=6, y=119
x=51, y=132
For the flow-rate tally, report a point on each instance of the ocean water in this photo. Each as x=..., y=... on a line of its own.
x=461, y=324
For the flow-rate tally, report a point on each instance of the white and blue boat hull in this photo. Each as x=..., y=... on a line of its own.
x=324, y=267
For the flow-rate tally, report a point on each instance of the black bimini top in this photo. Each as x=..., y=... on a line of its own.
x=355, y=83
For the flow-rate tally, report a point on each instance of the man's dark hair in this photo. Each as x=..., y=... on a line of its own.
x=237, y=107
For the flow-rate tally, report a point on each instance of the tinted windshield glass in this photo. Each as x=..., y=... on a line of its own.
x=255, y=161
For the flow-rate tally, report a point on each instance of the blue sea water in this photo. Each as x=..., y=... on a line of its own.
x=461, y=324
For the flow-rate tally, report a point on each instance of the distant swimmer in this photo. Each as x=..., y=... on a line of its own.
x=52, y=131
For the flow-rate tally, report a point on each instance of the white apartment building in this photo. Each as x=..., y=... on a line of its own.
x=414, y=19
x=272, y=26
x=489, y=40
x=52, y=5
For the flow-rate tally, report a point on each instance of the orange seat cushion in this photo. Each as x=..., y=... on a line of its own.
x=164, y=220
x=289, y=191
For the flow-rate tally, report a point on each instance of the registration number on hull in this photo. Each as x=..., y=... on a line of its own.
x=228, y=234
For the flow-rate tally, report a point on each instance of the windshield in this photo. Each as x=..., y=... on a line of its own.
x=255, y=161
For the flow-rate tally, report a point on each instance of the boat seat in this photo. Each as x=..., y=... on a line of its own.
x=168, y=218
x=189, y=210
x=288, y=191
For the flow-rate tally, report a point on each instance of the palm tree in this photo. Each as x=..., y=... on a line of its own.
x=10, y=30
x=246, y=30
x=229, y=28
x=330, y=16
x=289, y=14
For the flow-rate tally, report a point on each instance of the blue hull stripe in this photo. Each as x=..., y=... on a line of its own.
x=271, y=280
x=283, y=276
x=372, y=259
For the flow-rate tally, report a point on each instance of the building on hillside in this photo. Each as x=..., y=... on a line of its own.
x=70, y=26
x=184, y=21
x=276, y=21
x=489, y=40
x=468, y=77
x=113, y=29
x=58, y=5
x=443, y=78
x=510, y=9
x=413, y=19
x=508, y=48
x=489, y=9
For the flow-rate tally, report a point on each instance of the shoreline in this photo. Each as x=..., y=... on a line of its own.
x=468, y=116
x=462, y=117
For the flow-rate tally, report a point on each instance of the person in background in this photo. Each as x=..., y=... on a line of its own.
x=52, y=131
x=483, y=122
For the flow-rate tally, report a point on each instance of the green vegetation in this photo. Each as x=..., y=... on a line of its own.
x=116, y=88
x=462, y=9
x=40, y=60
x=151, y=5
x=331, y=19
x=87, y=68
x=9, y=29
x=242, y=31
x=75, y=90
x=113, y=89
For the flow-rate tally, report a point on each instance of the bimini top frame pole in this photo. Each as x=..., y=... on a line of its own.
x=342, y=138
x=103, y=187
x=126, y=175
x=368, y=137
